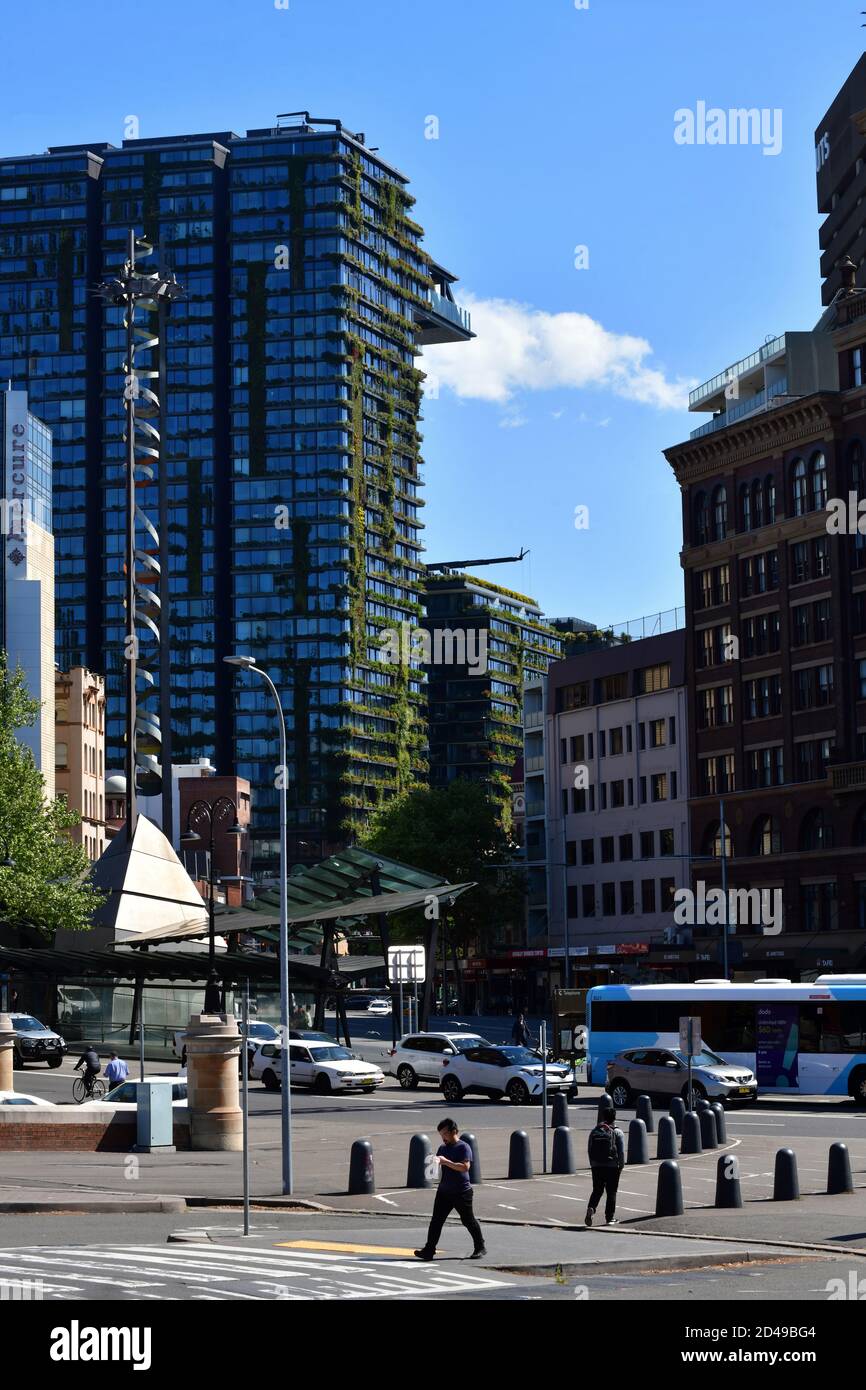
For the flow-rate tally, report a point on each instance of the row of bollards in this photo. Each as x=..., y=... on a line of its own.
x=786, y=1182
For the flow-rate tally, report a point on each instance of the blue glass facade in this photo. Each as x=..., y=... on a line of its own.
x=291, y=405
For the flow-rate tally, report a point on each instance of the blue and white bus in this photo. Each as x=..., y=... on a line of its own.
x=809, y=1039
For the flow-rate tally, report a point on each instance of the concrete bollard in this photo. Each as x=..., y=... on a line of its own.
x=669, y=1191
x=786, y=1183
x=676, y=1112
x=721, y=1123
x=728, y=1192
x=638, y=1147
x=362, y=1180
x=519, y=1155
x=667, y=1140
x=691, y=1134
x=7, y=1053
x=475, y=1166
x=644, y=1111
x=559, y=1116
x=702, y=1103
x=707, y=1121
x=421, y=1171
x=839, y=1170
x=605, y=1102
x=563, y=1154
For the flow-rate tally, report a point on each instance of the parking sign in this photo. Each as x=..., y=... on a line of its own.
x=690, y=1035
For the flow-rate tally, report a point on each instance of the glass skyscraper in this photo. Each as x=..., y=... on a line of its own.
x=291, y=404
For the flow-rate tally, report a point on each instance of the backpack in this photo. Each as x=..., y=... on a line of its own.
x=602, y=1147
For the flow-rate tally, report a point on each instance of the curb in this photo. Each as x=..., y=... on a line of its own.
x=274, y=1203
x=77, y=1205
x=662, y=1263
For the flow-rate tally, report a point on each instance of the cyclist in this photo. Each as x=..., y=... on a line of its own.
x=89, y=1059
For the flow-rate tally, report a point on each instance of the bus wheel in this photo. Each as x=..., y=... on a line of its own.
x=858, y=1086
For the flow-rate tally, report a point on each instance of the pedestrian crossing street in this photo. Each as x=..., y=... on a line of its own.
x=210, y=1271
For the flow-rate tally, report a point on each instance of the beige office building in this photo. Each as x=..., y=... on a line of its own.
x=79, y=753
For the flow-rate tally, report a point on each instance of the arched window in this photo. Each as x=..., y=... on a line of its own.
x=757, y=503
x=712, y=845
x=766, y=836
x=720, y=514
x=819, y=482
x=859, y=835
x=799, y=488
x=770, y=498
x=816, y=832
x=746, y=507
x=702, y=518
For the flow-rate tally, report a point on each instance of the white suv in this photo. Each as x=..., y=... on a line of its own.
x=422, y=1056
x=324, y=1067
x=514, y=1072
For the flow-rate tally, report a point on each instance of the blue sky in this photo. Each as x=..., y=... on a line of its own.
x=555, y=130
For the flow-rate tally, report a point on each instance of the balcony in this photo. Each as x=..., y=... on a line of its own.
x=533, y=764
x=738, y=410
x=442, y=321
x=534, y=719
x=737, y=371
x=848, y=777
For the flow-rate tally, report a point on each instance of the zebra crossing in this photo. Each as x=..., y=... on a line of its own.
x=210, y=1271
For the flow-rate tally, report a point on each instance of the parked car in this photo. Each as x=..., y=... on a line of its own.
x=18, y=1098
x=379, y=1006
x=125, y=1096
x=323, y=1067
x=421, y=1056
x=35, y=1043
x=515, y=1072
x=663, y=1071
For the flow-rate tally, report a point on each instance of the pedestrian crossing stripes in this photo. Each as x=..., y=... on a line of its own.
x=227, y=1271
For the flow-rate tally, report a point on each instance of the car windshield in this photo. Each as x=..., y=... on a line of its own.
x=705, y=1058
x=28, y=1024
x=333, y=1054
x=463, y=1044
x=520, y=1055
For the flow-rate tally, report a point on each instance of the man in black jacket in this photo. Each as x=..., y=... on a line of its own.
x=606, y=1149
x=89, y=1060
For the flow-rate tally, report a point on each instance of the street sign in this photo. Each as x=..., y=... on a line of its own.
x=690, y=1035
x=406, y=965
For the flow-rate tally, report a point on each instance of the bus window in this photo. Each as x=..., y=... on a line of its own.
x=842, y=1027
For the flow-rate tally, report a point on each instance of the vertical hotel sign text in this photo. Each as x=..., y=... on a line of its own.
x=15, y=509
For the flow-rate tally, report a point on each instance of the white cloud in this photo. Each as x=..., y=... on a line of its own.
x=519, y=348
x=512, y=422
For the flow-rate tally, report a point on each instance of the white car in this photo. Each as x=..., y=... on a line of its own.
x=379, y=1006
x=422, y=1056
x=125, y=1096
x=19, y=1098
x=514, y=1072
x=323, y=1067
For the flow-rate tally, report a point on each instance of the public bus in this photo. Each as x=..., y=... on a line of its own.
x=808, y=1039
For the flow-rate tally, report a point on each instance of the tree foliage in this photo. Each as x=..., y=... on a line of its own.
x=44, y=888
x=455, y=832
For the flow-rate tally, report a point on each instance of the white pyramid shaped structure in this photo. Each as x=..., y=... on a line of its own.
x=147, y=886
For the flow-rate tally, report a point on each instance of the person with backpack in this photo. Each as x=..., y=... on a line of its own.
x=606, y=1148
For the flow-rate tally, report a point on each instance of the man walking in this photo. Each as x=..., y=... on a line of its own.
x=454, y=1158
x=520, y=1031
x=606, y=1159
x=116, y=1071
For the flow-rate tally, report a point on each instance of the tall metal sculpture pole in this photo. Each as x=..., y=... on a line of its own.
x=131, y=641
x=145, y=568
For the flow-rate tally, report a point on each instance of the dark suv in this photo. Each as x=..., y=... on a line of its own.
x=35, y=1043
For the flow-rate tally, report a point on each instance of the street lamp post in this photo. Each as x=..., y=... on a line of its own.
x=189, y=839
x=248, y=663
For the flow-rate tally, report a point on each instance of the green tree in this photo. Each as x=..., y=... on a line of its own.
x=455, y=832
x=44, y=885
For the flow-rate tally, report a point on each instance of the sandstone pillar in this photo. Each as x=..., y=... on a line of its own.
x=212, y=1051
x=7, y=1039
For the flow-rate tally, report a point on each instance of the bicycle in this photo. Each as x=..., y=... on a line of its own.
x=81, y=1091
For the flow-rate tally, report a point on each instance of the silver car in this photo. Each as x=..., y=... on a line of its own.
x=662, y=1071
